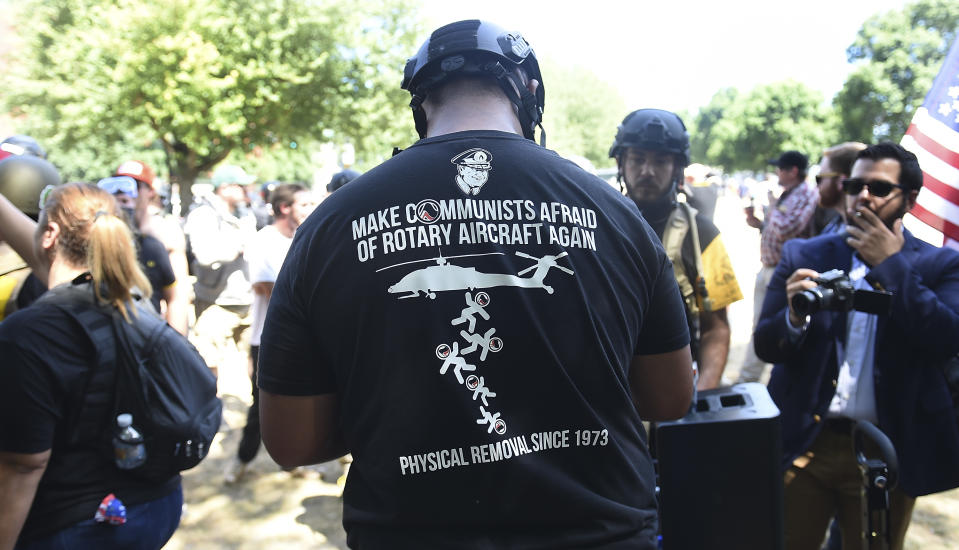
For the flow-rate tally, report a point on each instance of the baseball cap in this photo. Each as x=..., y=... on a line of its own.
x=137, y=170
x=229, y=174
x=790, y=159
x=119, y=184
x=341, y=178
x=21, y=145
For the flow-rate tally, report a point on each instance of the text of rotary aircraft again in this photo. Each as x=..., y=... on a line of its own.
x=507, y=222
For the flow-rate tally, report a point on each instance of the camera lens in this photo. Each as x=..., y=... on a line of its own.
x=807, y=302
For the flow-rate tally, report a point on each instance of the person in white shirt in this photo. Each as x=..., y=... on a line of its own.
x=291, y=204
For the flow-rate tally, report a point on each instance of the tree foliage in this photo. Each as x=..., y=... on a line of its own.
x=190, y=82
x=582, y=112
x=742, y=131
x=701, y=126
x=898, y=54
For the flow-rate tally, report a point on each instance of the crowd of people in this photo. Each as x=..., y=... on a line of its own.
x=479, y=322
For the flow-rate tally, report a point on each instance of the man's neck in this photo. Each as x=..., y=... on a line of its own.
x=462, y=113
x=789, y=184
x=285, y=227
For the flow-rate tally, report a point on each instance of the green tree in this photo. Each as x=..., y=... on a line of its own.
x=898, y=54
x=190, y=82
x=581, y=112
x=771, y=118
x=702, y=125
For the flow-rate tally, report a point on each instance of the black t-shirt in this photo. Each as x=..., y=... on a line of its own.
x=155, y=262
x=475, y=302
x=32, y=289
x=46, y=357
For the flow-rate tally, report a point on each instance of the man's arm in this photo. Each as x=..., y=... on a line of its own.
x=713, y=348
x=799, y=208
x=662, y=384
x=772, y=340
x=263, y=288
x=301, y=430
x=19, y=477
x=17, y=229
x=176, y=308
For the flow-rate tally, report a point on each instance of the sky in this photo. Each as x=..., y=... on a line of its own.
x=675, y=54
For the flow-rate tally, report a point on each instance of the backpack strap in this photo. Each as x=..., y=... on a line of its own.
x=77, y=300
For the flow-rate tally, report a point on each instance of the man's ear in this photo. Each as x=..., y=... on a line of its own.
x=911, y=199
x=532, y=85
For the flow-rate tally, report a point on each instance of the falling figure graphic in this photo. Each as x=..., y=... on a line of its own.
x=493, y=420
x=486, y=341
x=471, y=309
x=477, y=384
x=458, y=363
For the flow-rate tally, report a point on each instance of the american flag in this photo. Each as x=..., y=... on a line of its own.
x=933, y=136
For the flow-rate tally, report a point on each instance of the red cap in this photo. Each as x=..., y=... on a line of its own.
x=137, y=170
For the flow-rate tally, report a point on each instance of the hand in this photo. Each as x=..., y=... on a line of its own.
x=800, y=280
x=751, y=218
x=871, y=238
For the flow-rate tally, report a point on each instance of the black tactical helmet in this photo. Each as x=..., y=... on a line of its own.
x=21, y=145
x=476, y=47
x=654, y=130
x=23, y=178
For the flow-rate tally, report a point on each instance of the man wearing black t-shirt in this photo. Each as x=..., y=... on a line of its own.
x=482, y=324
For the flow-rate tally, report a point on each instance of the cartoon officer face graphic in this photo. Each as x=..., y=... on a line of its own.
x=472, y=169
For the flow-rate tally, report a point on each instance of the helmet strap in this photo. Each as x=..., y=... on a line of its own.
x=529, y=111
x=419, y=115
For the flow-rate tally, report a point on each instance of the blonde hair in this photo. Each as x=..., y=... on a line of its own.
x=94, y=235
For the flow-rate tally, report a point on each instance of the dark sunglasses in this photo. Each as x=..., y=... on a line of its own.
x=877, y=188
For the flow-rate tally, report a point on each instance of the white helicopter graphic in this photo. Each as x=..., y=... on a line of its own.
x=445, y=276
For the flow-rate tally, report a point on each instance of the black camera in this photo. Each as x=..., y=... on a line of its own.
x=836, y=293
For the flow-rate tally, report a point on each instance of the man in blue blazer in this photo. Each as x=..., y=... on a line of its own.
x=833, y=367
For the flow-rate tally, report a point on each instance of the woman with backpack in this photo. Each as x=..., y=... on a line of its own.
x=59, y=488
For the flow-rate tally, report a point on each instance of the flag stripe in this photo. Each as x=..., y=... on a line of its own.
x=932, y=165
x=936, y=130
x=932, y=146
x=932, y=185
x=947, y=228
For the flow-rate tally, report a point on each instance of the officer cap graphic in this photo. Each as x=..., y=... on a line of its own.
x=476, y=158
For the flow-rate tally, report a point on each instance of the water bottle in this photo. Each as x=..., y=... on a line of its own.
x=128, y=449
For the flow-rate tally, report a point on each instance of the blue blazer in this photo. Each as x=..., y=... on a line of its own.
x=912, y=400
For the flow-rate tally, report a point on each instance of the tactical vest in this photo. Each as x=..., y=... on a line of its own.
x=682, y=220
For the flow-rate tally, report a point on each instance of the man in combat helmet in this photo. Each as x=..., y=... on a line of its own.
x=563, y=284
x=652, y=150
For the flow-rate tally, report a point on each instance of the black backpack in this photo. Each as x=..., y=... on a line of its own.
x=160, y=379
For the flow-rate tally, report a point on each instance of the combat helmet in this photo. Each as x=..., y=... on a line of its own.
x=23, y=179
x=654, y=130
x=475, y=47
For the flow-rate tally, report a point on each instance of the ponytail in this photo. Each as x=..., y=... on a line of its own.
x=95, y=237
x=112, y=259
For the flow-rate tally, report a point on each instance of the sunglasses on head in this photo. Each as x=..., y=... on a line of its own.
x=877, y=188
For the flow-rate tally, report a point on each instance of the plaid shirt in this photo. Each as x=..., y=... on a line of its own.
x=786, y=219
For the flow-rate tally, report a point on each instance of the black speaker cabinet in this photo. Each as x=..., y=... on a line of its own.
x=719, y=475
